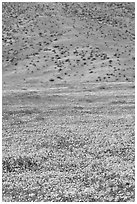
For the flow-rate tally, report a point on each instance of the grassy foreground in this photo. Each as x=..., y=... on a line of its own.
x=72, y=143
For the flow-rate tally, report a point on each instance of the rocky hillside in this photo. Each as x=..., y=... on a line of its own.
x=58, y=43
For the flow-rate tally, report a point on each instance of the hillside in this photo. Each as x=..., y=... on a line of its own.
x=45, y=44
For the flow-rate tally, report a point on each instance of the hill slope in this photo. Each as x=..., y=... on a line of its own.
x=67, y=42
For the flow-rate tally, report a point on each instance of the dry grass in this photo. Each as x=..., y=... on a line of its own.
x=71, y=154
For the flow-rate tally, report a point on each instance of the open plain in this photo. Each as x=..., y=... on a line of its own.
x=68, y=80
